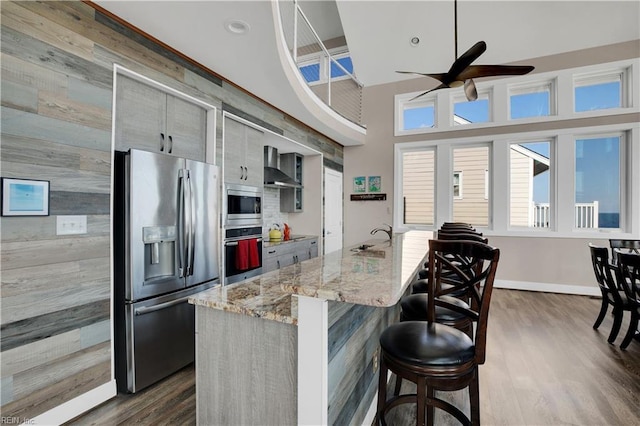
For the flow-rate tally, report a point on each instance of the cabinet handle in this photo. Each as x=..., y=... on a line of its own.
x=241, y=173
x=170, y=144
x=246, y=173
x=278, y=262
x=161, y=142
x=313, y=242
x=271, y=252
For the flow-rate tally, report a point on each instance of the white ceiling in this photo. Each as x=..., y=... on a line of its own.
x=378, y=34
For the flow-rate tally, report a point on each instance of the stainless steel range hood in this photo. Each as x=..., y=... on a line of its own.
x=273, y=176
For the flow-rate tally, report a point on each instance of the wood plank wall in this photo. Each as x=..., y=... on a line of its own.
x=354, y=333
x=57, y=85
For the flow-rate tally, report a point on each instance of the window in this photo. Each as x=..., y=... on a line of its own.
x=473, y=207
x=418, y=187
x=311, y=72
x=346, y=63
x=457, y=185
x=417, y=115
x=315, y=68
x=597, y=182
x=529, y=171
x=467, y=112
x=598, y=92
x=530, y=100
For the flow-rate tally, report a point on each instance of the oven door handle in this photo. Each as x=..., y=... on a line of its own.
x=235, y=242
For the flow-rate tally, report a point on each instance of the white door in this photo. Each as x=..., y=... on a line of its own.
x=332, y=210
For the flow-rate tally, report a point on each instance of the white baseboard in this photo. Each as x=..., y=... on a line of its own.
x=548, y=287
x=78, y=405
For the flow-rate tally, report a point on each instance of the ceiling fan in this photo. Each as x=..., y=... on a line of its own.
x=463, y=73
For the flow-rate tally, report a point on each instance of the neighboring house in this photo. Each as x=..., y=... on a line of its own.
x=470, y=185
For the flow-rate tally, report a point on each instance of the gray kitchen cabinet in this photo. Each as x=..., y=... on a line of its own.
x=287, y=253
x=152, y=120
x=291, y=198
x=243, y=154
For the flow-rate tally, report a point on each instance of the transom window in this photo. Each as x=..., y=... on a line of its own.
x=468, y=112
x=598, y=92
x=418, y=115
x=534, y=100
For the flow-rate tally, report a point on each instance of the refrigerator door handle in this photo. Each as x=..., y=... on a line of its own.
x=191, y=237
x=148, y=309
x=181, y=225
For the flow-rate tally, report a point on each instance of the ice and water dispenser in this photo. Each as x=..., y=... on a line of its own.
x=159, y=251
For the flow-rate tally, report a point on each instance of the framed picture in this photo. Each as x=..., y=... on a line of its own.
x=360, y=184
x=22, y=197
x=375, y=184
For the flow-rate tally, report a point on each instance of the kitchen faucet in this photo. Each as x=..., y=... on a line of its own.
x=388, y=231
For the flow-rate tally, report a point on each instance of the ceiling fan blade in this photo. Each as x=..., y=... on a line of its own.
x=439, y=76
x=470, y=90
x=441, y=86
x=476, y=71
x=461, y=63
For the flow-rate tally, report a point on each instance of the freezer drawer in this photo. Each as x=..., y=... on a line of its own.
x=160, y=339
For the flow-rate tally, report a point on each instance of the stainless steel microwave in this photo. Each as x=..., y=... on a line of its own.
x=243, y=205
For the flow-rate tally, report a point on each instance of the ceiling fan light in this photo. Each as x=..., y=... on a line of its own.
x=456, y=83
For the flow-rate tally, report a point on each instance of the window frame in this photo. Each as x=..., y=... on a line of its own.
x=485, y=93
x=603, y=77
x=529, y=88
x=453, y=188
x=561, y=98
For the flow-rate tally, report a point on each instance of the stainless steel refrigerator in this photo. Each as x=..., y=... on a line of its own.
x=166, y=248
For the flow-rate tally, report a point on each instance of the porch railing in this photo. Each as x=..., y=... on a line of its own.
x=585, y=215
x=343, y=94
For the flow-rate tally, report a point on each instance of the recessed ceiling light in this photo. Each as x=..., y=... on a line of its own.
x=236, y=26
x=414, y=41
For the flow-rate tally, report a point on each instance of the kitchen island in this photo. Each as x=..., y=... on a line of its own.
x=299, y=345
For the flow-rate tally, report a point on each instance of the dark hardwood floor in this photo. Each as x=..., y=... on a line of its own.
x=545, y=366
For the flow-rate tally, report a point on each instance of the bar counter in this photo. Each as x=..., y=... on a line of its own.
x=318, y=320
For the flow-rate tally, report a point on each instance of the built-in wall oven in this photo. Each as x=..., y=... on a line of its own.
x=243, y=253
x=243, y=206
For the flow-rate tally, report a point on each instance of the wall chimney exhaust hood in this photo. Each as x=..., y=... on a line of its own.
x=273, y=176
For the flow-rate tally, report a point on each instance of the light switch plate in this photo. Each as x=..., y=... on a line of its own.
x=68, y=225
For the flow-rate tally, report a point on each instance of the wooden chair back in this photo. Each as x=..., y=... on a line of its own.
x=477, y=280
x=629, y=246
x=602, y=270
x=628, y=269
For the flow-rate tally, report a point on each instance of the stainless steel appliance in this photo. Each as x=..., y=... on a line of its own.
x=235, y=238
x=166, y=239
x=243, y=206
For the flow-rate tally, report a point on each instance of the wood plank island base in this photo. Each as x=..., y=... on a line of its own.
x=299, y=345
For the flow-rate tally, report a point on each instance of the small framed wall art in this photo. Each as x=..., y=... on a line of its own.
x=374, y=184
x=359, y=184
x=25, y=197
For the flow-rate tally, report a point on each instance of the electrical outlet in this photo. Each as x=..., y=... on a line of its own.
x=69, y=225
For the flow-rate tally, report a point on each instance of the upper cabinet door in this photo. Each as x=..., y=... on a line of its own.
x=140, y=115
x=186, y=129
x=235, y=148
x=152, y=120
x=254, y=160
x=243, y=154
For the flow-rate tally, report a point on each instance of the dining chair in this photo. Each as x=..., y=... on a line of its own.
x=607, y=279
x=628, y=269
x=629, y=246
x=436, y=356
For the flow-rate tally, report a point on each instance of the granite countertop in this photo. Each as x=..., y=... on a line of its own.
x=376, y=276
x=294, y=238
